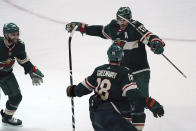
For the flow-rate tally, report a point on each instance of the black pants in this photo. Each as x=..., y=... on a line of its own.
x=105, y=118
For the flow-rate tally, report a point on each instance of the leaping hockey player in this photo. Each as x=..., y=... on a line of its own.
x=132, y=36
x=11, y=49
x=114, y=92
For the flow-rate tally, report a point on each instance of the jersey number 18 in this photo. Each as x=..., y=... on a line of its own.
x=103, y=88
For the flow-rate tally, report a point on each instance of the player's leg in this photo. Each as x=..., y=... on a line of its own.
x=11, y=88
x=112, y=121
x=138, y=115
x=96, y=125
x=105, y=118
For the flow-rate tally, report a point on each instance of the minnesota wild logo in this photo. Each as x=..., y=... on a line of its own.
x=119, y=42
x=7, y=63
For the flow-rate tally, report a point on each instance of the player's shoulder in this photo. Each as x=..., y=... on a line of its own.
x=102, y=67
x=113, y=23
x=136, y=23
x=125, y=70
x=21, y=42
x=20, y=45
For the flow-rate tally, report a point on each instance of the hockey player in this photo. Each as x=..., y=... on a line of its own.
x=114, y=91
x=132, y=38
x=11, y=49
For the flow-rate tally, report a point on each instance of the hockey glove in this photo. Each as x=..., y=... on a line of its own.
x=36, y=76
x=70, y=91
x=157, y=46
x=155, y=107
x=81, y=27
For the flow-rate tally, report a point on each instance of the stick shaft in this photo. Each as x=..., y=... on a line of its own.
x=174, y=66
x=71, y=77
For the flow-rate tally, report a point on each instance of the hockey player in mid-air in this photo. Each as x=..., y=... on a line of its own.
x=114, y=92
x=132, y=36
x=11, y=48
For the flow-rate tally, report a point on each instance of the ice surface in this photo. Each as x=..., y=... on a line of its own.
x=46, y=108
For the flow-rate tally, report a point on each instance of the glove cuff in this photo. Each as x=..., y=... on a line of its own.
x=70, y=91
x=157, y=39
x=150, y=102
x=36, y=71
x=83, y=27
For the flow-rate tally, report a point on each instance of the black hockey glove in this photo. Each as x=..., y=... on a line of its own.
x=157, y=45
x=70, y=91
x=155, y=107
x=81, y=27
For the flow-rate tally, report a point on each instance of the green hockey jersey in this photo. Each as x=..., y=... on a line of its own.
x=132, y=42
x=8, y=55
x=111, y=83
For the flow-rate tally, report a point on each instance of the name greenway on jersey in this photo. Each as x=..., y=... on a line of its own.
x=106, y=73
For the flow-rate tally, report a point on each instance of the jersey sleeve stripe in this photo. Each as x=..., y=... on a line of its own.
x=128, y=87
x=145, y=38
x=20, y=61
x=106, y=35
x=88, y=85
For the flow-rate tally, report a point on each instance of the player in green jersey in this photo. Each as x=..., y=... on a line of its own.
x=133, y=39
x=11, y=49
x=115, y=91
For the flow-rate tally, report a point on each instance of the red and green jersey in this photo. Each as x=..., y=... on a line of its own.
x=111, y=83
x=8, y=55
x=132, y=42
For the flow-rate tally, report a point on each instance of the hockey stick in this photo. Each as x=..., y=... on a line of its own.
x=161, y=54
x=71, y=77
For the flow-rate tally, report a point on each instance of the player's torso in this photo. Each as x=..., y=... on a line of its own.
x=109, y=82
x=7, y=56
x=135, y=53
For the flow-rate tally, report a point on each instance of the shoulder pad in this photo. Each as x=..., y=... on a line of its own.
x=130, y=71
x=139, y=26
x=125, y=68
x=136, y=23
x=20, y=42
x=113, y=23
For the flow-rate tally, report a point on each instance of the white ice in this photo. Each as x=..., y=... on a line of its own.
x=47, y=108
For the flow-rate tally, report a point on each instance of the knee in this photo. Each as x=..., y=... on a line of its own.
x=16, y=99
x=13, y=102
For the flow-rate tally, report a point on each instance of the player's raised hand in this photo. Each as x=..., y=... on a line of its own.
x=36, y=76
x=70, y=26
x=81, y=27
x=155, y=107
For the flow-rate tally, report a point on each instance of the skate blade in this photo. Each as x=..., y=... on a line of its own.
x=7, y=125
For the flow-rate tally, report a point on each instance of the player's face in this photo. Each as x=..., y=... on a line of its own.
x=14, y=37
x=123, y=24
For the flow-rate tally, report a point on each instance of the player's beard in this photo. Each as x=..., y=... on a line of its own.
x=14, y=40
